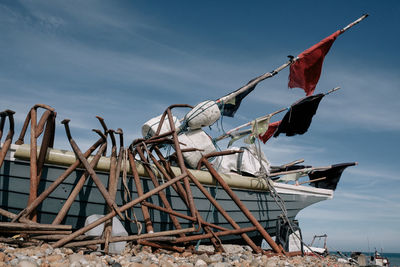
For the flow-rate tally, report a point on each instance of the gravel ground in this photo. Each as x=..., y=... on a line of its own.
x=137, y=255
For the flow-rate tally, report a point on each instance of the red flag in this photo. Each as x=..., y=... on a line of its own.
x=305, y=72
x=271, y=130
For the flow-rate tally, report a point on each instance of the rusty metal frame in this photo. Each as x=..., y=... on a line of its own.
x=151, y=157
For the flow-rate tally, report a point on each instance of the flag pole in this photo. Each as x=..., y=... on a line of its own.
x=260, y=119
x=312, y=169
x=267, y=75
x=255, y=81
x=354, y=23
x=332, y=90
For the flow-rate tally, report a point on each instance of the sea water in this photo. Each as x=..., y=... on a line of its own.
x=394, y=258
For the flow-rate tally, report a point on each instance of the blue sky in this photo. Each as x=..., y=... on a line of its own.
x=128, y=60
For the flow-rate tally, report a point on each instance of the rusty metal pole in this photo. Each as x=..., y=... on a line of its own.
x=115, y=170
x=179, y=190
x=44, y=106
x=3, y=116
x=83, y=230
x=224, y=213
x=214, y=240
x=10, y=134
x=34, y=226
x=156, y=184
x=34, y=232
x=78, y=187
x=33, y=163
x=177, y=214
x=120, y=154
x=53, y=130
x=221, y=233
x=46, y=140
x=244, y=209
x=56, y=183
x=180, y=160
x=130, y=238
x=189, y=196
x=160, y=246
x=105, y=128
x=92, y=173
x=20, y=139
x=12, y=216
x=165, y=113
x=139, y=189
x=43, y=120
x=112, y=188
x=178, y=186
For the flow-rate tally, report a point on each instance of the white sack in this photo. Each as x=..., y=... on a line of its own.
x=150, y=127
x=250, y=162
x=196, y=139
x=116, y=230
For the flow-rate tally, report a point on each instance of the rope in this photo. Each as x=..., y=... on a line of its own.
x=152, y=167
x=277, y=198
x=262, y=170
x=127, y=192
x=211, y=209
x=222, y=116
x=281, y=204
x=212, y=158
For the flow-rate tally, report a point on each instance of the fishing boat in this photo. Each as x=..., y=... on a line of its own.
x=14, y=193
x=362, y=259
x=312, y=248
x=379, y=260
x=174, y=194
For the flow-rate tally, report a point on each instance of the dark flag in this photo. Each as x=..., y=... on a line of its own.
x=332, y=175
x=305, y=72
x=272, y=127
x=298, y=119
x=230, y=107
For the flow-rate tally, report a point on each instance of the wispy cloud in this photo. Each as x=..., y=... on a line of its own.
x=285, y=150
x=375, y=173
x=355, y=214
x=368, y=99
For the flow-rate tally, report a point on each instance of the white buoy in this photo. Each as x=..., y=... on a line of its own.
x=203, y=114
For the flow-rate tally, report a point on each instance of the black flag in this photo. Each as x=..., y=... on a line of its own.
x=298, y=119
x=332, y=175
x=229, y=109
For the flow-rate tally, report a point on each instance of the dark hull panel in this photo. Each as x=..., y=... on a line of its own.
x=14, y=192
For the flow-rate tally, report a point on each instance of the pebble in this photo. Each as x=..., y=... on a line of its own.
x=143, y=256
x=200, y=263
x=27, y=263
x=53, y=258
x=216, y=258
